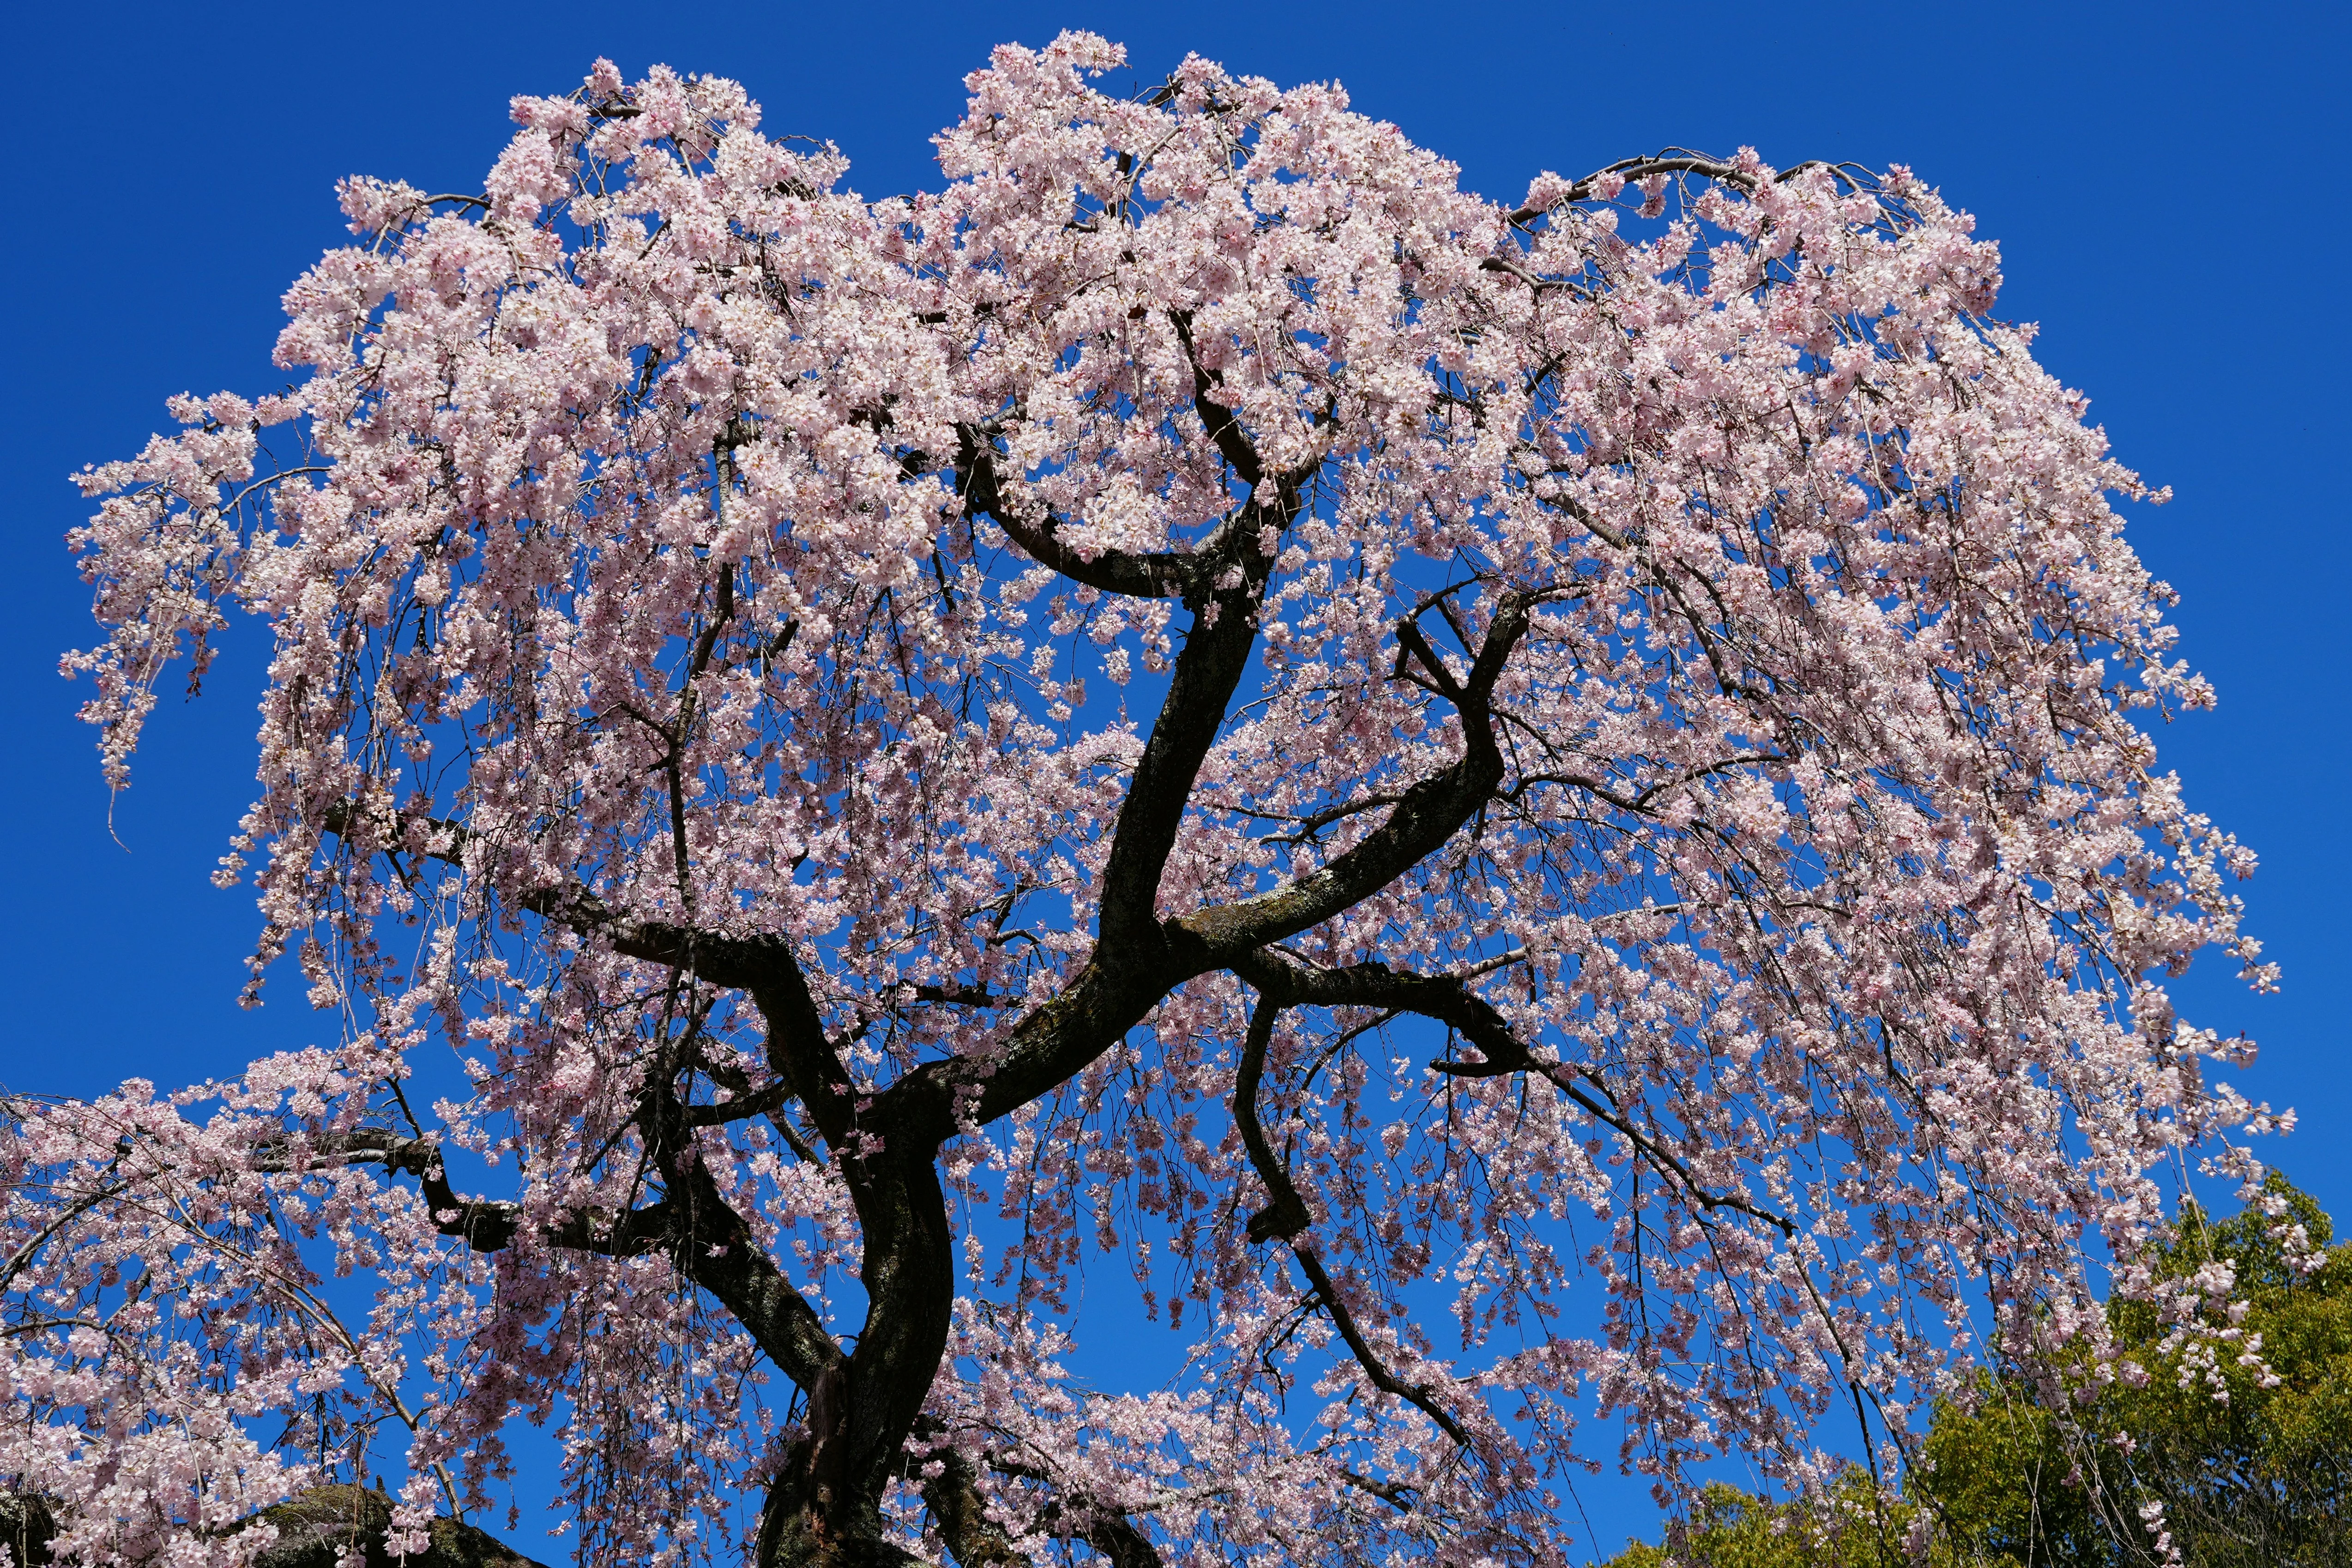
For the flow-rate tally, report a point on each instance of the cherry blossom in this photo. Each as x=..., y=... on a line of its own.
x=1538, y=816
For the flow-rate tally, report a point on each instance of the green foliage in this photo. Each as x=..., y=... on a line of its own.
x=2006, y=1489
x=2251, y=1473
x=1852, y=1527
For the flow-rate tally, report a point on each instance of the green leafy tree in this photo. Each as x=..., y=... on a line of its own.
x=1854, y=1527
x=2248, y=1458
x=2005, y=1488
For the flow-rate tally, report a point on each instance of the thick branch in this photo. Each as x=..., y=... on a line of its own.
x=718, y=1252
x=739, y=963
x=319, y=1528
x=1424, y=818
x=954, y=1498
x=1294, y=982
x=331, y=1525
x=907, y=1268
x=1160, y=575
x=800, y=1054
x=1139, y=959
x=1105, y=999
x=1133, y=964
x=703, y=1236
x=1216, y=419
x=1114, y=1535
x=1069, y=1516
x=1216, y=653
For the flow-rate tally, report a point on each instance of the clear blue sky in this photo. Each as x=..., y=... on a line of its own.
x=2163, y=179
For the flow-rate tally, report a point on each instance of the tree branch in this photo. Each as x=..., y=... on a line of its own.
x=737, y=962
x=1216, y=419
x=1424, y=818
x=1160, y=575
x=1067, y=1517
x=954, y=1498
x=1288, y=1217
x=703, y=1236
x=1674, y=161
x=1448, y=1000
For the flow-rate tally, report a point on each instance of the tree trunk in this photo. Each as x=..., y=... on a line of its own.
x=825, y=1509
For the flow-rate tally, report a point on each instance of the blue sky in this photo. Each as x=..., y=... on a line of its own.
x=2162, y=182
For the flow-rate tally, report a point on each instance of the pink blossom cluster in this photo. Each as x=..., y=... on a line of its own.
x=1538, y=815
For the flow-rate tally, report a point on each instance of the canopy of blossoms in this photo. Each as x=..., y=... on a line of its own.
x=1536, y=814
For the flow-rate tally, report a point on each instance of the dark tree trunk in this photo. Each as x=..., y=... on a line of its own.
x=825, y=1509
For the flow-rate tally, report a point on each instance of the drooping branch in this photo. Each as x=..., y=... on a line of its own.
x=801, y=1056
x=1674, y=161
x=1288, y=1217
x=1448, y=1000
x=59, y=1224
x=1662, y=1159
x=804, y=1060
